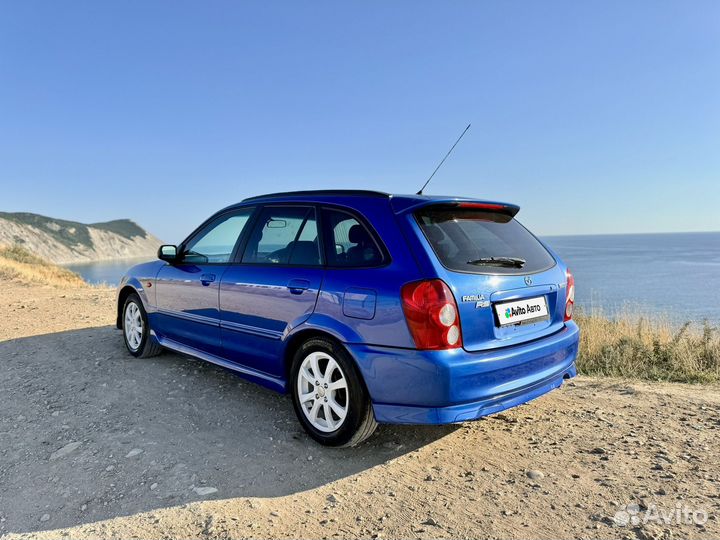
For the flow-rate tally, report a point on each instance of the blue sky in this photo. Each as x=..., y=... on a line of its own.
x=595, y=117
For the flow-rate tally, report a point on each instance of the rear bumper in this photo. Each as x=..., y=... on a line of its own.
x=440, y=387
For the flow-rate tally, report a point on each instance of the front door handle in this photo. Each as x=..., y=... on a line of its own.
x=207, y=279
x=297, y=286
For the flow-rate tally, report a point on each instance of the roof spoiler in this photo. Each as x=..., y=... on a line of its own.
x=489, y=206
x=500, y=208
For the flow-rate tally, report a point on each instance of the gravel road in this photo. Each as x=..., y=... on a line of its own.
x=95, y=443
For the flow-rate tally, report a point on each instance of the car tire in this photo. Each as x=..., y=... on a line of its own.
x=340, y=394
x=136, y=329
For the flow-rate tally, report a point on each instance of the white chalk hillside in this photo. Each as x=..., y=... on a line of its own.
x=64, y=242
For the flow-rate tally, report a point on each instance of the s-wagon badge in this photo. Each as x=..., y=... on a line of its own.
x=528, y=280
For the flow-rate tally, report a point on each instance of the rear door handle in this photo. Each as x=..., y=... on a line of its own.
x=297, y=286
x=207, y=279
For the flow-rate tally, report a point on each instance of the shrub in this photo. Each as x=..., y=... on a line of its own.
x=19, y=265
x=648, y=349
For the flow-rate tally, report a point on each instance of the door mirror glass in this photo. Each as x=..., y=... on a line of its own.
x=168, y=253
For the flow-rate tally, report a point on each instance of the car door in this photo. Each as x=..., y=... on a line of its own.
x=273, y=287
x=187, y=291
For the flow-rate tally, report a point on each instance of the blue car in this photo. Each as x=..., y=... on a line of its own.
x=366, y=307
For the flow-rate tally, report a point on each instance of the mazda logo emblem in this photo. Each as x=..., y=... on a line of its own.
x=528, y=280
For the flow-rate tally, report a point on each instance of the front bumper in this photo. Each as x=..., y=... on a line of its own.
x=440, y=387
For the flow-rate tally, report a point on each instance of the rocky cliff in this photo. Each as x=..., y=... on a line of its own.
x=64, y=242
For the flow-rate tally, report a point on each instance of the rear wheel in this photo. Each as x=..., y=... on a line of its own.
x=329, y=397
x=136, y=330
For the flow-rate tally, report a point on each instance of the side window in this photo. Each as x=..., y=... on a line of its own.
x=350, y=243
x=215, y=243
x=284, y=235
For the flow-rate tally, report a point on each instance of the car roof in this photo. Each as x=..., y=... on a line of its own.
x=400, y=203
x=322, y=193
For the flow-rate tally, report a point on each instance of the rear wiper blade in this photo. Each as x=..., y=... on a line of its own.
x=513, y=262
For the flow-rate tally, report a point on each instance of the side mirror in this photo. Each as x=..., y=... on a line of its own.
x=168, y=253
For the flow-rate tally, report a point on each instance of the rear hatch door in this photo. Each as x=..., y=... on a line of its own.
x=509, y=288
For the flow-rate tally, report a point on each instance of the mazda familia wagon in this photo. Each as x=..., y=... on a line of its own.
x=366, y=307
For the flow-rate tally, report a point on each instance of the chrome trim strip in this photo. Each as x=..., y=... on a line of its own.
x=253, y=330
x=226, y=325
x=189, y=316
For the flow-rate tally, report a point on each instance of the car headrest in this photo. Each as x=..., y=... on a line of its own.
x=304, y=252
x=358, y=234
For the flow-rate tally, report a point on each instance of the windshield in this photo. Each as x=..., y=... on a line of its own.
x=482, y=242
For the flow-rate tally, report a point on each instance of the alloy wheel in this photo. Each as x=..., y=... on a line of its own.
x=322, y=391
x=133, y=326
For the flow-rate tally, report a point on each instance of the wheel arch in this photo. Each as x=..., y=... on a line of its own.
x=126, y=289
x=314, y=327
x=122, y=296
x=367, y=423
x=294, y=340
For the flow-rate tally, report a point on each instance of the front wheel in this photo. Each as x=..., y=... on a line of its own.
x=329, y=397
x=136, y=330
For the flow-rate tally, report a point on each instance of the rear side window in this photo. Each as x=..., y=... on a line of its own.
x=349, y=244
x=478, y=241
x=284, y=235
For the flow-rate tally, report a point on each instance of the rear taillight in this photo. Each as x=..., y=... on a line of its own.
x=432, y=315
x=569, y=295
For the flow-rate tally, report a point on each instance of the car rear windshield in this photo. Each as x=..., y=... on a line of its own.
x=482, y=242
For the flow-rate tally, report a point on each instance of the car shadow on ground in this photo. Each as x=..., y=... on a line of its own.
x=90, y=433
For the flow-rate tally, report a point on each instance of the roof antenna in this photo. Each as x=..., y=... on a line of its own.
x=443, y=161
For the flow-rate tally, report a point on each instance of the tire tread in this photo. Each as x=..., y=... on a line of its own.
x=152, y=348
x=366, y=429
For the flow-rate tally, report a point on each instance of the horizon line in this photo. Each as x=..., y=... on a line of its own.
x=627, y=233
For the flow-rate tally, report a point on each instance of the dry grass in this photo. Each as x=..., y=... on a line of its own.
x=19, y=265
x=648, y=349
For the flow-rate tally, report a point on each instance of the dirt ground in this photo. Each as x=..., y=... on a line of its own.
x=97, y=444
